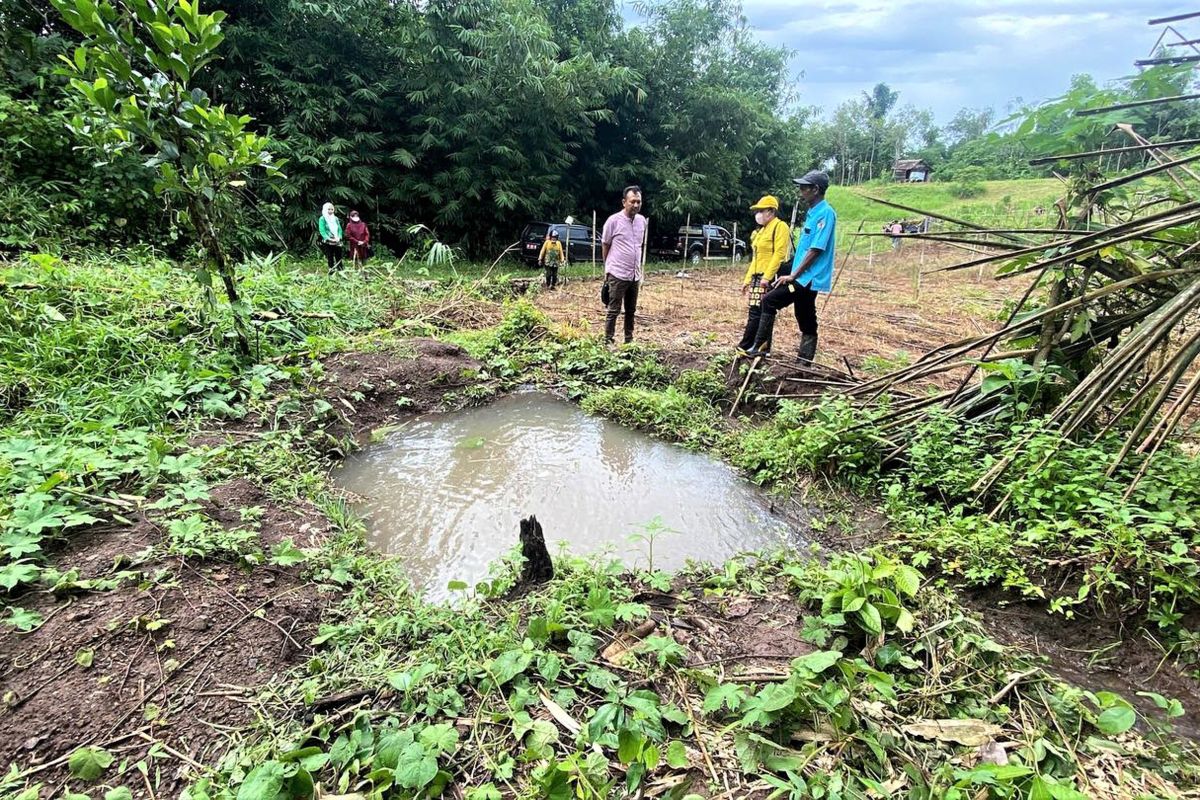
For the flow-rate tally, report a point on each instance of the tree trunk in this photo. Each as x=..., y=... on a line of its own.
x=538, y=566
x=1046, y=340
x=208, y=237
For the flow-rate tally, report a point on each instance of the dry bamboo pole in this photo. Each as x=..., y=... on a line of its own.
x=954, y=220
x=1111, y=151
x=1166, y=426
x=948, y=238
x=1179, y=366
x=593, y=243
x=985, y=482
x=733, y=246
x=1157, y=152
x=964, y=346
x=1135, y=104
x=1151, y=381
x=837, y=275
x=1175, y=415
x=1081, y=247
x=917, y=274
x=1101, y=382
x=749, y=374
x=687, y=229
x=1142, y=173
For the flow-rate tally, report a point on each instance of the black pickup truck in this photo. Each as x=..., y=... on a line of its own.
x=576, y=241
x=697, y=244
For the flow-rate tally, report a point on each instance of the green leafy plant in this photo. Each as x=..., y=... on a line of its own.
x=137, y=70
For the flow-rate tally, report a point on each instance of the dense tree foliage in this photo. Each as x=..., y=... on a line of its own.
x=473, y=116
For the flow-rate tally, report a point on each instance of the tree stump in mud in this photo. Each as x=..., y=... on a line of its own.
x=538, y=567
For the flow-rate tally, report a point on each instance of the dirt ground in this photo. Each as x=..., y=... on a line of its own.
x=164, y=658
x=168, y=659
x=879, y=313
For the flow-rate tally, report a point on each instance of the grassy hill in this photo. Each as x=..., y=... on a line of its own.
x=1002, y=204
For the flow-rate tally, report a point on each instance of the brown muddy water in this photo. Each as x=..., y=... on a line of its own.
x=445, y=492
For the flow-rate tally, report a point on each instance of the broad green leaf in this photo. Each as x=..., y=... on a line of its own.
x=487, y=791
x=17, y=543
x=442, y=737
x=723, y=694
x=391, y=746
x=777, y=697
x=23, y=619
x=629, y=745
x=1117, y=719
x=817, y=662
x=869, y=616
x=677, y=755
x=286, y=554
x=416, y=767
x=263, y=783
x=89, y=763
x=509, y=665
x=907, y=580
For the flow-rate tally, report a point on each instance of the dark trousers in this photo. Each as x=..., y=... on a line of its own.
x=753, y=313
x=620, y=292
x=804, y=302
x=333, y=255
x=551, y=276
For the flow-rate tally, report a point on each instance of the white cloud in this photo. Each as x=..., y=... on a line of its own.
x=964, y=53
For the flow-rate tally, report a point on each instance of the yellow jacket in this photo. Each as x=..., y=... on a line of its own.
x=551, y=247
x=770, y=244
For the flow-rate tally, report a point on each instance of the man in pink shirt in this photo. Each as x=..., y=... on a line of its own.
x=621, y=245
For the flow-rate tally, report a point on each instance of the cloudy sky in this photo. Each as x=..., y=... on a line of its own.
x=955, y=53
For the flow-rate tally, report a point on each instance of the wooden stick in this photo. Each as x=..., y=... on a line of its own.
x=750, y=372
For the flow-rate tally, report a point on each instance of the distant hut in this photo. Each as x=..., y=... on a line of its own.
x=911, y=170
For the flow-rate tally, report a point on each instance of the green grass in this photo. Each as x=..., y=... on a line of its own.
x=1003, y=203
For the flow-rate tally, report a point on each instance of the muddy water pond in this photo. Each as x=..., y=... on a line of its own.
x=446, y=492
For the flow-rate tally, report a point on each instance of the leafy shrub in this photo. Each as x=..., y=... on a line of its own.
x=1063, y=530
x=706, y=384
x=669, y=413
x=965, y=191
x=832, y=436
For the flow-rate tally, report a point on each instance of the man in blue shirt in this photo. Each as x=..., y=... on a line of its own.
x=811, y=272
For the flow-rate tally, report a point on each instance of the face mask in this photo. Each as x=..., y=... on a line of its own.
x=355, y=218
x=761, y=217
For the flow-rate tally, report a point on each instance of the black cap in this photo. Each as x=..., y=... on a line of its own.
x=814, y=178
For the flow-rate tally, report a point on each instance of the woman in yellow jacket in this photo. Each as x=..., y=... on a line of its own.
x=771, y=243
x=551, y=257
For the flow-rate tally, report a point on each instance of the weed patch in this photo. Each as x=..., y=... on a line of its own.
x=669, y=414
x=552, y=696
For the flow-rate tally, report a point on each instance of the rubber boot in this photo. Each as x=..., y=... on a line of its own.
x=753, y=317
x=808, y=347
x=762, y=341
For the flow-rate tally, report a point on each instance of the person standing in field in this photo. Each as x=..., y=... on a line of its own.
x=621, y=248
x=359, y=237
x=551, y=257
x=811, y=271
x=330, y=229
x=896, y=229
x=769, y=243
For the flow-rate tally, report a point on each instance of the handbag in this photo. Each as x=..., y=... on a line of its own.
x=605, y=293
